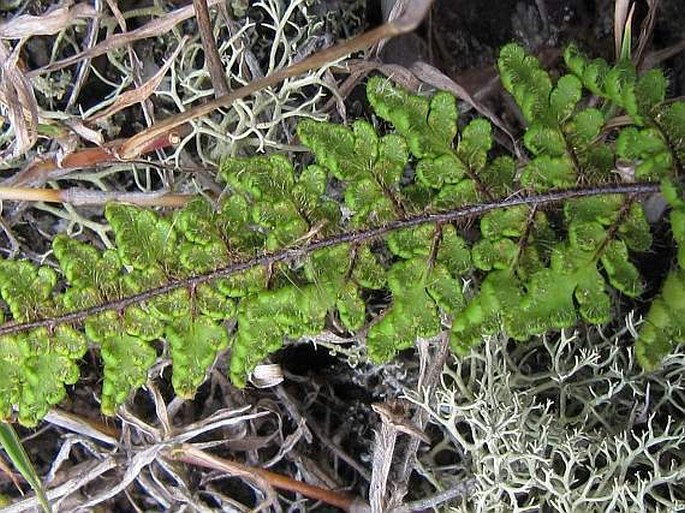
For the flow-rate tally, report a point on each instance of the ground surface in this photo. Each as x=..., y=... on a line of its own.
x=321, y=424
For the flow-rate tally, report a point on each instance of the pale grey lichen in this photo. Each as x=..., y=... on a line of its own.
x=561, y=424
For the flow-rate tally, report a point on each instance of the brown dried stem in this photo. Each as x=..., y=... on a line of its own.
x=189, y=454
x=212, y=59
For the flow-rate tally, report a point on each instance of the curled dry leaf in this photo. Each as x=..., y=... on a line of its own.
x=46, y=24
x=267, y=375
x=18, y=99
x=141, y=93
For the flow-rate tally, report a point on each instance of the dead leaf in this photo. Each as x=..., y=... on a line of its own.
x=141, y=93
x=46, y=24
x=19, y=101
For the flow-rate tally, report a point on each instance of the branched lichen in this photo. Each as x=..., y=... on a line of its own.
x=564, y=423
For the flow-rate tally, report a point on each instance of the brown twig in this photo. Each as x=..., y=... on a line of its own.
x=77, y=197
x=212, y=59
x=189, y=454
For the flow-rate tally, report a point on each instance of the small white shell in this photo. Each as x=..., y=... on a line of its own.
x=267, y=375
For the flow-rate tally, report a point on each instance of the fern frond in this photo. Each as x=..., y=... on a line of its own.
x=549, y=243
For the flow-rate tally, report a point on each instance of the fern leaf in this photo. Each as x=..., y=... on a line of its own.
x=620, y=86
x=674, y=196
x=126, y=361
x=51, y=365
x=93, y=276
x=650, y=91
x=370, y=167
x=445, y=289
x=428, y=125
x=26, y=289
x=348, y=154
x=411, y=242
x=623, y=275
x=474, y=144
x=193, y=345
x=544, y=140
x=648, y=149
x=671, y=120
x=143, y=239
x=412, y=314
x=351, y=307
x=592, y=74
x=498, y=175
x=482, y=316
x=13, y=354
x=635, y=231
x=259, y=177
x=367, y=272
x=564, y=97
x=584, y=127
x=456, y=195
x=665, y=322
x=524, y=78
x=453, y=252
x=435, y=172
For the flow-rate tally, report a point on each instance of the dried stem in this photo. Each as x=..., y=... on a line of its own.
x=189, y=454
x=75, y=196
x=212, y=58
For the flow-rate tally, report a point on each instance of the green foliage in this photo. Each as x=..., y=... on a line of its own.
x=11, y=443
x=288, y=252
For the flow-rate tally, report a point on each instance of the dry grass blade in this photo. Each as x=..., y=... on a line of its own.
x=46, y=24
x=10, y=442
x=383, y=450
x=623, y=17
x=139, y=94
x=75, y=424
x=84, y=477
x=646, y=31
x=20, y=102
x=133, y=468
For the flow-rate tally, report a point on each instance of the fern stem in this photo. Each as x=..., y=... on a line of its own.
x=613, y=229
x=355, y=238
